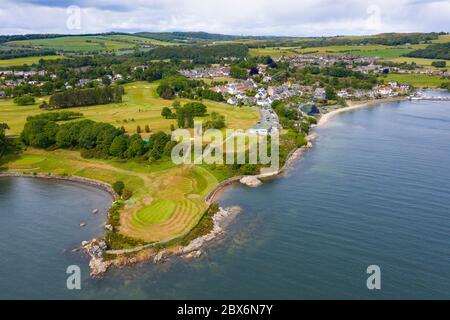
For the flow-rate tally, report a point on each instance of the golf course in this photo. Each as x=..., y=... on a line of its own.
x=167, y=200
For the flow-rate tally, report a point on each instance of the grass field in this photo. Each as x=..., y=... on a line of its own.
x=86, y=43
x=167, y=200
x=416, y=80
x=426, y=63
x=140, y=103
x=26, y=60
x=369, y=50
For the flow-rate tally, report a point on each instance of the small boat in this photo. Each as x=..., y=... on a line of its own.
x=95, y=211
x=83, y=224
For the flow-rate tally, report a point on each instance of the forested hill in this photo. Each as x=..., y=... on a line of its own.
x=433, y=51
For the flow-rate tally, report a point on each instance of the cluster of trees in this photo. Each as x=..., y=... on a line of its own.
x=95, y=139
x=3, y=140
x=433, y=51
x=57, y=116
x=337, y=77
x=85, y=97
x=185, y=115
x=24, y=100
x=216, y=121
x=439, y=64
x=169, y=87
x=201, y=93
x=21, y=53
x=198, y=54
x=446, y=85
x=238, y=72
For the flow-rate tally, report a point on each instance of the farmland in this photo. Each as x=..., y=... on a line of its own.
x=86, y=43
x=26, y=60
x=416, y=80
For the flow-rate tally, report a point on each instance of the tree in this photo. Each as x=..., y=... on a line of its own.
x=39, y=133
x=197, y=109
x=118, y=187
x=238, y=72
x=330, y=94
x=147, y=128
x=138, y=129
x=166, y=113
x=136, y=146
x=217, y=121
x=165, y=91
x=24, y=100
x=3, y=139
x=439, y=64
x=106, y=80
x=119, y=146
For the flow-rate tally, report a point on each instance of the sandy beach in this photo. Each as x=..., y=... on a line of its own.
x=354, y=106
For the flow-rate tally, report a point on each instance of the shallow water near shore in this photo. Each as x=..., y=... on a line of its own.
x=374, y=189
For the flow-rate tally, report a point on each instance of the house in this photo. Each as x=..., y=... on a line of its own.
x=393, y=84
x=319, y=93
x=261, y=94
x=232, y=100
x=385, y=91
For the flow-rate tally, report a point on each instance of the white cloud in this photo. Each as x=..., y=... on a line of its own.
x=249, y=17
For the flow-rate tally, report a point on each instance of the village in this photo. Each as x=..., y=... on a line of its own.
x=261, y=91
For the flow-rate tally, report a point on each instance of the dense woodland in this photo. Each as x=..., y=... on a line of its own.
x=85, y=97
x=94, y=139
x=198, y=54
x=433, y=51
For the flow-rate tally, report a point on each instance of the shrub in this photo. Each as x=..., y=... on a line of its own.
x=118, y=187
x=24, y=100
x=126, y=194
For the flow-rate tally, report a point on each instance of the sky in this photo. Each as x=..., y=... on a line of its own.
x=242, y=17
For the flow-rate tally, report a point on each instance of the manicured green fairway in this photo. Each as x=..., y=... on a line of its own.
x=141, y=106
x=168, y=200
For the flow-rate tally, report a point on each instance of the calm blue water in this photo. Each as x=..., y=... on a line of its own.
x=375, y=189
x=39, y=227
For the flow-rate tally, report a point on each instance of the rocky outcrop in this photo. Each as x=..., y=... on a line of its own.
x=250, y=181
x=98, y=266
x=159, y=257
x=96, y=249
x=220, y=219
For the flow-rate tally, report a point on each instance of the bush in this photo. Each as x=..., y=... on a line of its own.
x=24, y=100
x=118, y=187
x=126, y=194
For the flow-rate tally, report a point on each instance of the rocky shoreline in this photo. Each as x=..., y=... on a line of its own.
x=96, y=248
x=90, y=182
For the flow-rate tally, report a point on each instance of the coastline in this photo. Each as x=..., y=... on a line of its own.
x=325, y=118
x=150, y=252
x=86, y=181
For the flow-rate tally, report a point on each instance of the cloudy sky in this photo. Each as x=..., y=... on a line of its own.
x=240, y=17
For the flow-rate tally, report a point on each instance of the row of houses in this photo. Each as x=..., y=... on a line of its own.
x=23, y=74
x=213, y=72
x=324, y=60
